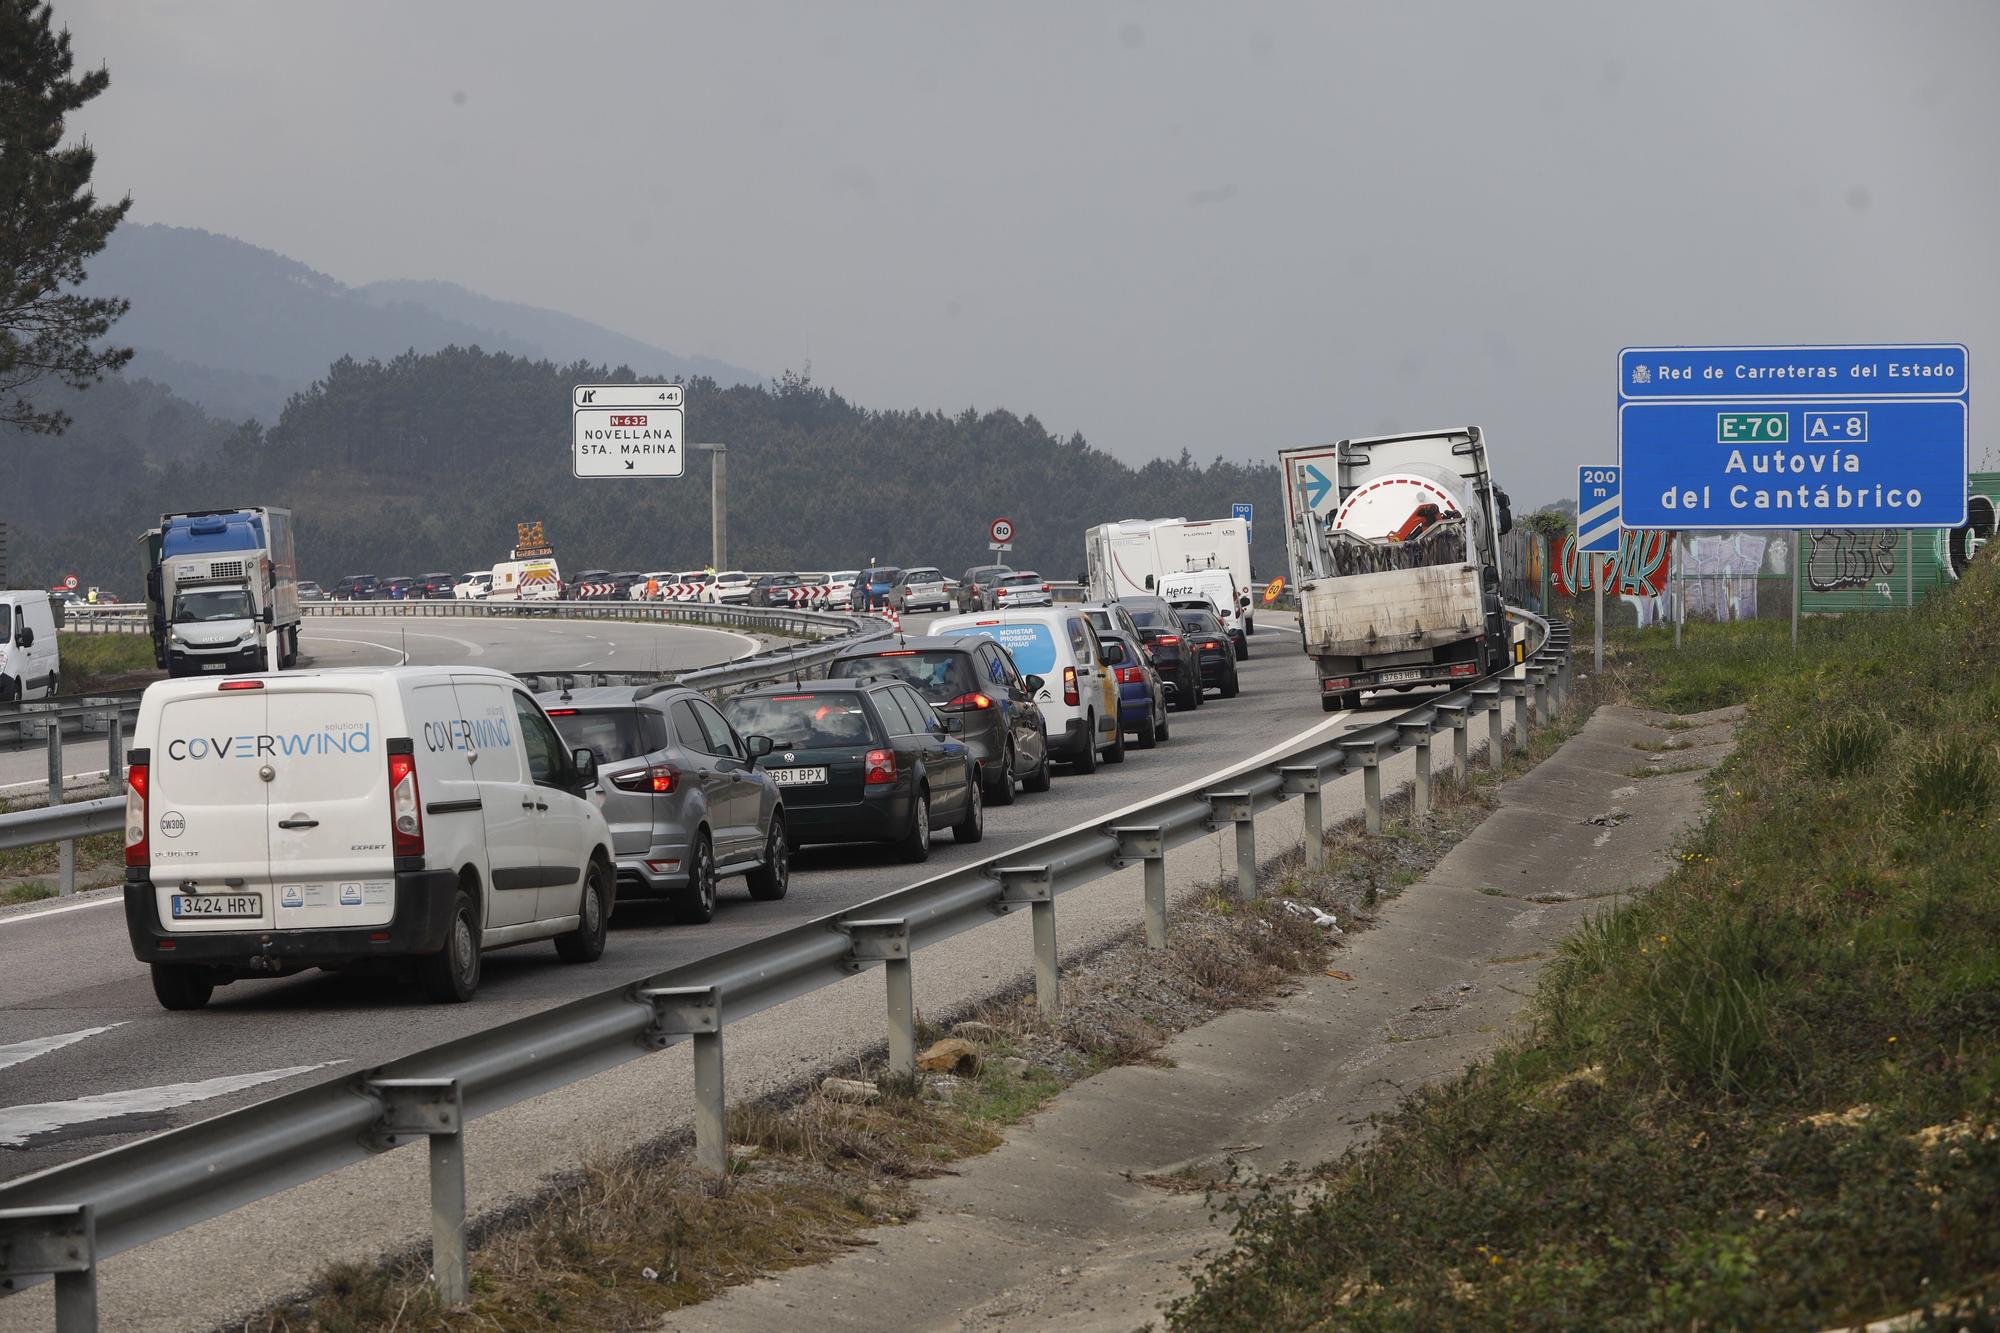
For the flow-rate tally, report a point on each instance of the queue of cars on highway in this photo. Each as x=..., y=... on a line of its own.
x=408, y=819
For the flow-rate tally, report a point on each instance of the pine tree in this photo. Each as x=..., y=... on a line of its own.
x=50, y=222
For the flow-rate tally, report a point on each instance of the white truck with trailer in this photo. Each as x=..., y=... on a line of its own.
x=222, y=587
x=1394, y=548
x=1133, y=557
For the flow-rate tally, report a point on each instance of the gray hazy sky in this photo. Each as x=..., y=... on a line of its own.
x=1228, y=228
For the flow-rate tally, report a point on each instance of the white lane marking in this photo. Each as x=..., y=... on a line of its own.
x=18, y=1124
x=34, y=1046
x=401, y=657
x=471, y=649
x=16, y=918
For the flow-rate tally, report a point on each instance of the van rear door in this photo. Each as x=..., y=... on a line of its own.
x=211, y=850
x=331, y=860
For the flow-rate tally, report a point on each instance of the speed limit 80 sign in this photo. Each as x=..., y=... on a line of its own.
x=1002, y=530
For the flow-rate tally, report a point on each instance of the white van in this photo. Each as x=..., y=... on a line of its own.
x=384, y=819
x=525, y=581
x=28, y=660
x=1218, y=588
x=1079, y=692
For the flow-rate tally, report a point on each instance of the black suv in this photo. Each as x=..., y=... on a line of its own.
x=1174, y=659
x=975, y=681
x=436, y=587
x=1212, y=649
x=862, y=761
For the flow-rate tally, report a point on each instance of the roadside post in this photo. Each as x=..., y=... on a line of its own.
x=1599, y=527
x=1798, y=577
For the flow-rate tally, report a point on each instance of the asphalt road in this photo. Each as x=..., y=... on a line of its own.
x=511, y=645
x=90, y=1060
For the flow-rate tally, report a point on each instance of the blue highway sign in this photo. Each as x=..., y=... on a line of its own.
x=1793, y=437
x=1244, y=512
x=1597, y=510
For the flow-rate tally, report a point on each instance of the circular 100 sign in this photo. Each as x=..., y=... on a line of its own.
x=1003, y=529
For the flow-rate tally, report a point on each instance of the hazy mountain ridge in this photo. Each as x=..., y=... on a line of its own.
x=237, y=329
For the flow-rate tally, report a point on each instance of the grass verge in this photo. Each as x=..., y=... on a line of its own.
x=632, y=1238
x=1766, y=1094
x=105, y=661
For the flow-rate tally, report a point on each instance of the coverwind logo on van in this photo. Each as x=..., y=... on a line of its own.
x=462, y=733
x=354, y=739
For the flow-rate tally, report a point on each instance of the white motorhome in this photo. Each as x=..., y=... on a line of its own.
x=1131, y=557
x=384, y=819
x=29, y=666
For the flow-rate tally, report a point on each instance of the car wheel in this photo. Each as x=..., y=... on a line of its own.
x=1086, y=759
x=916, y=844
x=1160, y=726
x=585, y=944
x=179, y=986
x=973, y=827
x=1230, y=689
x=1038, y=781
x=1143, y=738
x=1243, y=649
x=451, y=975
x=1114, y=753
x=769, y=881
x=1002, y=792
x=695, y=905
x=1330, y=703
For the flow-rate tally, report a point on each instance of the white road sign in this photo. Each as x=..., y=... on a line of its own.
x=626, y=441
x=626, y=395
x=1002, y=530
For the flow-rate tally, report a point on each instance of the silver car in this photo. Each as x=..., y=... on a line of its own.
x=682, y=793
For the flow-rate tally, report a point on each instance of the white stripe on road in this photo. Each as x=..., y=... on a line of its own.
x=34, y=1046
x=397, y=653
x=16, y=918
x=18, y=1124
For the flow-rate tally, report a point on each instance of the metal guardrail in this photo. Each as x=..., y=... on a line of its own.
x=61, y=1222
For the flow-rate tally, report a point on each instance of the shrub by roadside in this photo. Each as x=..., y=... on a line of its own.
x=1766, y=1095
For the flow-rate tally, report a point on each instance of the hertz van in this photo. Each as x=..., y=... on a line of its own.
x=400, y=819
x=1079, y=694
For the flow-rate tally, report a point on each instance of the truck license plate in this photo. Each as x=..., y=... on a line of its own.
x=798, y=777
x=218, y=905
x=1399, y=677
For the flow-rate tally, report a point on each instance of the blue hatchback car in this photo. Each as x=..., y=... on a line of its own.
x=1142, y=700
x=871, y=587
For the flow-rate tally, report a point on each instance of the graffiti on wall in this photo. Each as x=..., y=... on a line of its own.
x=1638, y=570
x=1843, y=559
x=1718, y=573
x=1975, y=532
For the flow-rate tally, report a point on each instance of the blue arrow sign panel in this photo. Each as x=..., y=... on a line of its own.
x=1865, y=463
x=1598, y=521
x=1317, y=485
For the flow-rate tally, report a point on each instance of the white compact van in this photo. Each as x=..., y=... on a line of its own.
x=401, y=818
x=1218, y=588
x=28, y=662
x=1079, y=691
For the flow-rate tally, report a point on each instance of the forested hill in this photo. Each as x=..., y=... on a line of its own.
x=426, y=462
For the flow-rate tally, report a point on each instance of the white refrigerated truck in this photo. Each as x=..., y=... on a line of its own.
x=1394, y=547
x=1134, y=557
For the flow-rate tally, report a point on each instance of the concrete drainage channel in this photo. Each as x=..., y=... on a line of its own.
x=62, y=1222
x=114, y=712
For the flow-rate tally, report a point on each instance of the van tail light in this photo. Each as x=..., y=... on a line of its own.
x=1069, y=686
x=974, y=701
x=138, y=778
x=659, y=779
x=881, y=767
x=406, y=807
x=1131, y=675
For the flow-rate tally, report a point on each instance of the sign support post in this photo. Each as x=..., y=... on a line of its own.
x=1600, y=531
x=1597, y=584
x=1798, y=559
